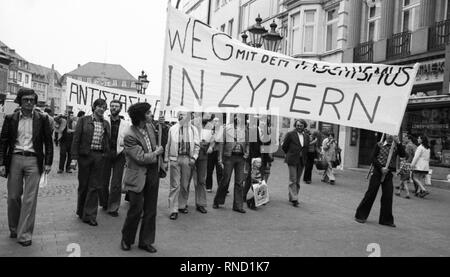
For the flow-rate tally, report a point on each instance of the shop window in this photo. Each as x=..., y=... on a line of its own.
x=434, y=123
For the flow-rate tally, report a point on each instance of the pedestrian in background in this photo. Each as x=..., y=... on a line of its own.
x=405, y=171
x=311, y=155
x=140, y=178
x=65, y=143
x=26, y=152
x=295, y=145
x=329, y=148
x=382, y=175
x=421, y=165
x=181, y=153
x=115, y=163
x=90, y=146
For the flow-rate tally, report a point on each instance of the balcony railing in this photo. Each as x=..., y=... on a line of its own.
x=439, y=35
x=363, y=53
x=399, y=45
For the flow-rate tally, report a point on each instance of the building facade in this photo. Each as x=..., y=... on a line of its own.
x=405, y=32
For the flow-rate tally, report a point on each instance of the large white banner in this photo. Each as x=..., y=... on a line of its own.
x=81, y=95
x=205, y=69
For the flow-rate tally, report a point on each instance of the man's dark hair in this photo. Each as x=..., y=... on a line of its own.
x=23, y=92
x=116, y=101
x=302, y=121
x=69, y=112
x=81, y=113
x=99, y=102
x=137, y=112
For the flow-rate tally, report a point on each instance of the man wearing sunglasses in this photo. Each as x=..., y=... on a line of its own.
x=91, y=147
x=26, y=152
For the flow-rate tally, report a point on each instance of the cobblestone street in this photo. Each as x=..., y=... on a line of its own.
x=323, y=225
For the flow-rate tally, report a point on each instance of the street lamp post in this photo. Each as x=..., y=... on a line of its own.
x=260, y=36
x=142, y=83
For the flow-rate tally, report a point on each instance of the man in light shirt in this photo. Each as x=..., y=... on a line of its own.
x=23, y=160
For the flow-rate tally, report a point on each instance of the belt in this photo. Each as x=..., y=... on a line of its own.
x=26, y=153
x=97, y=151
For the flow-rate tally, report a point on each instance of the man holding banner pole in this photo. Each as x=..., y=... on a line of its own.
x=384, y=165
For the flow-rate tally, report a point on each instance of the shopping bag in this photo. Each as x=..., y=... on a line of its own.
x=261, y=193
x=43, y=180
x=321, y=163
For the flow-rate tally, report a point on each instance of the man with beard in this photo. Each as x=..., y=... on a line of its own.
x=295, y=146
x=115, y=162
x=90, y=146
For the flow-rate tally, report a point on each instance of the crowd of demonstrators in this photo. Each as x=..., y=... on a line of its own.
x=26, y=152
x=116, y=156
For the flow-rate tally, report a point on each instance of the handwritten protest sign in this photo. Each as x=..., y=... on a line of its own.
x=81, y=95
x=207, y=70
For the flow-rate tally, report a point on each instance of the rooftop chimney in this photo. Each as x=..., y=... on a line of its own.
x=78, y=65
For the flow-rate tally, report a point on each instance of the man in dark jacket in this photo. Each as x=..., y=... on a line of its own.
x=91, y=147
x=382, y=174
x=24, y=135
x=295, y=145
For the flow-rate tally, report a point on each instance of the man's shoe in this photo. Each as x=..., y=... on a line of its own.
x=59, y=171
x=113, y=214
x=68, y=171
x=125, y=246
x=209, y=190
x=331, y=182
x=173, y=216
x=25, y=243
x=215, y=206
x=389, y=224
x=202, y=209
x=360, y=220
x=242, y=211
x=295, y=203
x=183, y=211
x=148, y=248
x=13, y=235
x=91, y=222
x=308, y=182
x=105, y=207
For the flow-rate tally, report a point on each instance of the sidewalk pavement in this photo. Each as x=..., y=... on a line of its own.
x=323, y=225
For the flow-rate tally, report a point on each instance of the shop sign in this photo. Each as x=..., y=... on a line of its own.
x=430, y=72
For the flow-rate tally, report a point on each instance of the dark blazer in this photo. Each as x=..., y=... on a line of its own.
x=42, y=135
x=295, y=152
x=82, y=138
x=138, y=157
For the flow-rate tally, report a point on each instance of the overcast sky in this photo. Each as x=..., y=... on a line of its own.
x=71, y=32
